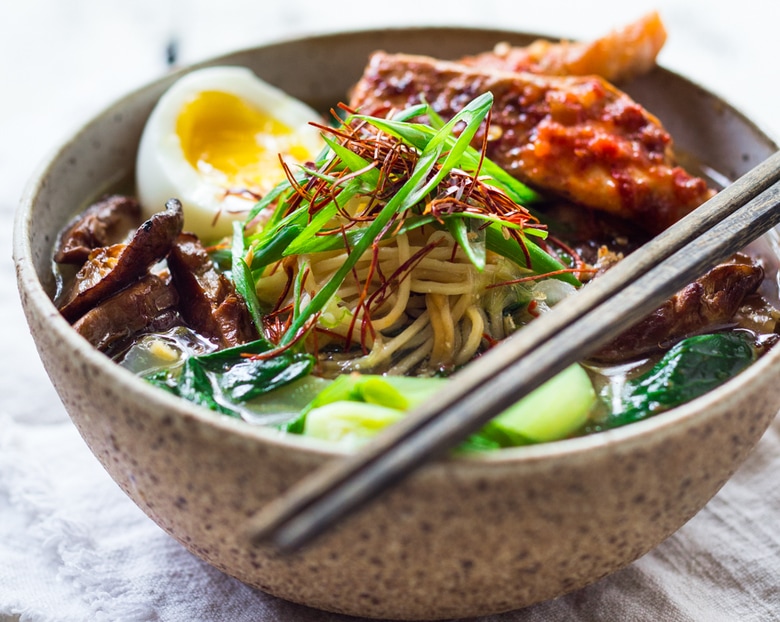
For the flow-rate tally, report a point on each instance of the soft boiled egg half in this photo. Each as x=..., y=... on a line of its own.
x=213, y=141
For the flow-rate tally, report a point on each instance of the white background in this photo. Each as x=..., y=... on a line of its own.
x=62, y=61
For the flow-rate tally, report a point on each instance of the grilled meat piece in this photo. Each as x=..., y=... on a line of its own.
x=210, y=304
x=110, y=269
x=107, y=222
x=620, y=55
x=577, y=137
x=148, y=304
x=709, y=303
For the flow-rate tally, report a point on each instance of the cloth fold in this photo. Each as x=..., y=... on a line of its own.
x=74, y=548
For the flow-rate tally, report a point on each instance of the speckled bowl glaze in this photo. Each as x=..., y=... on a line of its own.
x=463, y=537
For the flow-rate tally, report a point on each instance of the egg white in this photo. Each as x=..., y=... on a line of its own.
x=163, y=171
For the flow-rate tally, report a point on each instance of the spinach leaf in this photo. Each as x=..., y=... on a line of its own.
x=225, y=380
x=193, y=384
x=251, y=378
x=691, y=368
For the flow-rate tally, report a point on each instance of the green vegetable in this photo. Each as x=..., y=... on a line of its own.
x=191, y=383
x=419, y=135
x=302, y=243
x=555, y=410
x=427, y=174
x=349, y=421
x=471, y=239
x=242, y=276
x=273, y=250
x=356, y=406
x=399, y=392
x=691, y=368
x=300, y=220
x=225, y=380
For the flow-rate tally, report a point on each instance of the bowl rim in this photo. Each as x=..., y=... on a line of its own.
x=31, y=288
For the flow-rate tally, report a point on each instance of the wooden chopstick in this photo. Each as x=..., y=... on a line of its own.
x=568, y=333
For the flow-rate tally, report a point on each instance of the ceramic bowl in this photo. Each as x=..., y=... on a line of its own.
x=462, y=537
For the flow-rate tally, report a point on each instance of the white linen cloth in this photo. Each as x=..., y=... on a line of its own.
x=74, y=548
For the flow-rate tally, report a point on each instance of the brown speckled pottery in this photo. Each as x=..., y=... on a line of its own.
x=463, y=537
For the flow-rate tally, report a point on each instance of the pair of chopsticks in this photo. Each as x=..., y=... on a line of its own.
x=568, y=333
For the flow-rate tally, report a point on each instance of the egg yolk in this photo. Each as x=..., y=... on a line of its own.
x=235, y=144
